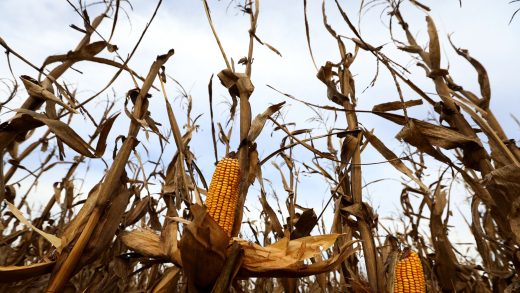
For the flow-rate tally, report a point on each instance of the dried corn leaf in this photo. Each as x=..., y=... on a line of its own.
x=203, y=243
x=15, y=130
x=35, y=90
x=55, y=241
x=325, y=74
x=411, y=49
x=137, y=212
x=74, y=228
x=305, y=224
x=396, y=105
x=445, y=260
x=255, y=169
x=275, y=223
x=9, y=274
x=434, y=51
x=348, y=148
x=285, y=252
x=236, y=82
x=104, y=130
x=420, y=5
x=167, y=282
x=483, y=79
x=504, y=184
x=268, y=45
x=106, y=227
x=436, y=135
x=63, y=132
x=144, y=241
x=413, y=136
x=258, y=123
x=387, y=154
x=285, y=258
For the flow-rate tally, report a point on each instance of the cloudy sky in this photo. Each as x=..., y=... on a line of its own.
x=37, y=29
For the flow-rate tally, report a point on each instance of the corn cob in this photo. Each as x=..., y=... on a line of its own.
x=409, y=276
x=223, y=191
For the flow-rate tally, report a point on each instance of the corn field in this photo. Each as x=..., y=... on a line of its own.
x=106, y=191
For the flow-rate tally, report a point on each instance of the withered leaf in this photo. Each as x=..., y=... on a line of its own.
x=434, y=46
x=75, y=227
x=436, y=135
x=236, y=82
x=144, y=241
x=414, y=136
x=348, y=147
x=284, y=258
x=203, y=243
x=10, y=274
x=63, y=131
x=55, y=241
x=104, y=130
x=254, y=165
x=483, y=79
x=106, y=227
x=420, y=5
x=277, y=227
x=325, y=74
x=388, y=154
x=258, y=123
x=410, y=49
x=397, y=105
x=306, y=222
x=504, y=184
x=137, y=212
x=166, y=282
x=35, y=90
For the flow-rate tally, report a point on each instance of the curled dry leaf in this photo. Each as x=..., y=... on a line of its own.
x=236, y=83
x=483, y=78
x=285, y=257
x=75, y=227
x=203, y=243
x=55, y=241
x=254, y=165
x=9, y=274
x=35, y=90
x=504, y=184
x=273, y=219
x=434, y=46
x=441, y=136
x=168, y=279
x=396, y=105
x=62, y=131
x=137, y=212
x=306, y=222
x=16, y=130
x=446, y=264
x=258, y=123
x=348, y=146
x=325, y=74
x=106, y=227
x=104, y=130
x=145, y=242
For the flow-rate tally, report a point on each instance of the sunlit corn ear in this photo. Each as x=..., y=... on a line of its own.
x=223, y=193
x=409, y=276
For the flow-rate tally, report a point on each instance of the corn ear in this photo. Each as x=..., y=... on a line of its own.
x=409, y=276
x=223, y=192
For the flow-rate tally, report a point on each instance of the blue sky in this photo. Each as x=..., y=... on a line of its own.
x=37, y=29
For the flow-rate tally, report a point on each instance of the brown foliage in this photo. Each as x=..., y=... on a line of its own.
x=123, y=237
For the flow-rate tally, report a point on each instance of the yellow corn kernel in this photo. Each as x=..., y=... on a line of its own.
x=409, y=276
x=223, y=193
